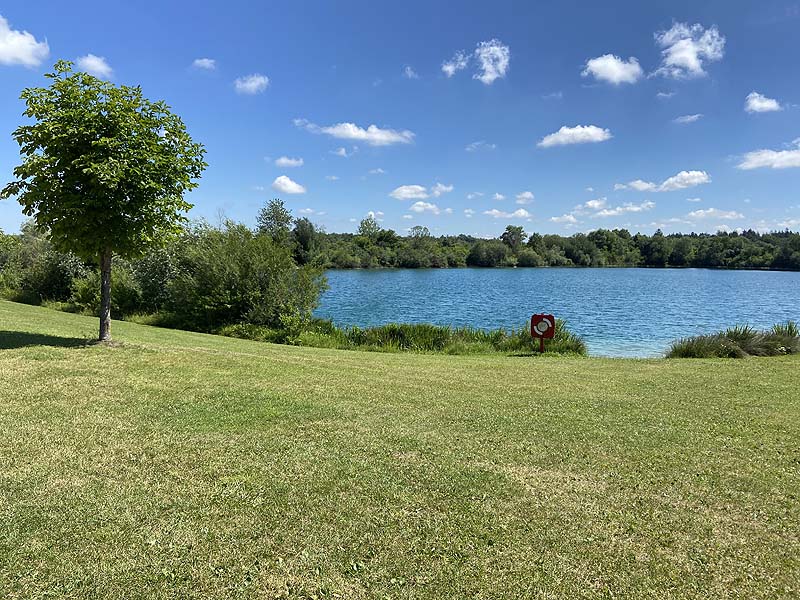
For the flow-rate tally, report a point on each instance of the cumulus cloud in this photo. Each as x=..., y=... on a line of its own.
x=665, y=95
x=758, y=103
x=685, y=119
x=498, y=196
x=468, y=212
x=473, y=195
x=209, y=64
x=372, y=135
x=409, y=72
x=285, y=185
x=525, y=197
x=567, y=218
x=686, y=48
x=425, y=207
x=580, y=134
x=409, y=192
x=625, y=208
x=493, y=58
x=342, y=151
x=95, y=65
x=520, y=213
x=772, y=159
x=439, y=189
x=414, y=192
x=458, y=63
x=715, y=213
x=377, y=171
x=479, y=145
x=680, y=181
x=286, y=161
x=595, y=204
x=251, y=84
x=20, y=47
x=612, y=69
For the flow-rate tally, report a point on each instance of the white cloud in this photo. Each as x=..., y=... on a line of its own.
x=715, y=213
x=408, y=216
x=685, y=48
x=473, y=195
x=455, y=64
x=525, y=197
x=665, y=95
x=590, y=189
x=580, y=134
x=625, y=208
x=251, y=84
x=309, y=211
x=409, y=72
x=332, y=177
x=377, y=215
x=95, y=65
x=498, y=196
x=683, y=120
x=377, y=171
x=410, y=192
x=553, y=96
x=420, y=192
x=423, y=207
x=480, y=145
x=772, y=159
x=343, y=152
x=372, y=135
x=468, y=212
x=595, y=204
x=567, y=218
x=683, y=180
x=612, y=69
x=520, y=213
x=493, y=58
x=286, y=161
x=209, y=64
x=20, y=47
x=758, y=103
x=694, y=199
x=439, y=189
x=789, y=224
x=287, y=186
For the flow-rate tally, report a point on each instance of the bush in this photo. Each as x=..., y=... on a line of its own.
x=125, y=292
x=740, y=342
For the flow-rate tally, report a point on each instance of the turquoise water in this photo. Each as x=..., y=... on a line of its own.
x=619, y=312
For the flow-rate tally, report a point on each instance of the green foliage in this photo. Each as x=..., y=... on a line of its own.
x=409, y=337
x=275, y=221
x=103, y=167
x=230, y=275
x=740, y=342
x=126, y=294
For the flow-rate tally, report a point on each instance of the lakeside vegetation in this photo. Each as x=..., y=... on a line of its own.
x=217, y=467
x=740, y=342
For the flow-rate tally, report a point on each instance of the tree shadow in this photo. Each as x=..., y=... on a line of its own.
x=10, y=340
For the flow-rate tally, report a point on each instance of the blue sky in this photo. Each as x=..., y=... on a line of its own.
x=463, y=117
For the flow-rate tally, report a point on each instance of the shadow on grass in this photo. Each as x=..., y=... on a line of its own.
x=22, y=339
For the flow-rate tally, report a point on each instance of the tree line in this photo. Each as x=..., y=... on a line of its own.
x=374, y=247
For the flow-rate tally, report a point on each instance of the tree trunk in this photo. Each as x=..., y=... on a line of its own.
x=105, y=296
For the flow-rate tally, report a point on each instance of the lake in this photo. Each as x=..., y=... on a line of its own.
x=618, y=312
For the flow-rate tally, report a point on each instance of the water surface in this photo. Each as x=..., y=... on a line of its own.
x=619, y=312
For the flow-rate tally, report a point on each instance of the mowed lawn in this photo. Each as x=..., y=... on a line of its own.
x=180, y=465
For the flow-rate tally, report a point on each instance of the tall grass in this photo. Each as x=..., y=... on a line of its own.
x=416, y=337
x=740, y=342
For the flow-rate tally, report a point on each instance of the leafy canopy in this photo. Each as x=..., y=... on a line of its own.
x=103, y=168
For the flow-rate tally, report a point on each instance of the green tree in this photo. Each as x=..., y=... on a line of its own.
x=275, y=220
x=513, y=237
x=305, y=239
x=104, y=170
x=369, y=228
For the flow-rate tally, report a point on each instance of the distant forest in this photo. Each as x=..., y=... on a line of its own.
x=373, y=247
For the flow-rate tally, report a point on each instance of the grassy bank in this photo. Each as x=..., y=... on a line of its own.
x=186, y=465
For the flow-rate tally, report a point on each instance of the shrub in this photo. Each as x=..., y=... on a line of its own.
x=125, y=292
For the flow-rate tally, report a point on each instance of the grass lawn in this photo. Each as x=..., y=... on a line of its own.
x=193, y=466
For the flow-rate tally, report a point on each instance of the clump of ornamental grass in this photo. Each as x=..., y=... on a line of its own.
x=740, y=342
